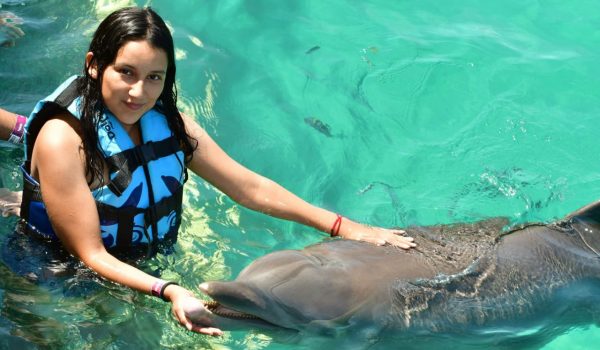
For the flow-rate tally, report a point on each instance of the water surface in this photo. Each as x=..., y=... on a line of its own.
x=393, y=113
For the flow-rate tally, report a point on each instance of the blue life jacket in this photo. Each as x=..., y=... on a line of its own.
x=141, y=203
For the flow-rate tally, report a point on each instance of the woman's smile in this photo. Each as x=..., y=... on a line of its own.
x=134, y=82
x=134, y=106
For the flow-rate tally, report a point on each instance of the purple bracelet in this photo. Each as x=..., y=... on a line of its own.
x=16, y=135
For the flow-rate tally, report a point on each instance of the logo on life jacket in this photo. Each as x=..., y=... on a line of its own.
x=107, y=125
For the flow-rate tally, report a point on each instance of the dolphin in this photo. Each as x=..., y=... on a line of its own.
x=470, y=278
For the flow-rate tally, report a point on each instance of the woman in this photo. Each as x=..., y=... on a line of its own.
x=124, y=151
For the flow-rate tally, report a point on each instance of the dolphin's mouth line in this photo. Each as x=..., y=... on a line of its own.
x=216, y=308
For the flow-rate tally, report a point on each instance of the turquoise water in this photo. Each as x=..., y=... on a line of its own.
x=438, y=112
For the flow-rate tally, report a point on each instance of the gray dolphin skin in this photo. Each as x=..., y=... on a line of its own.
x=461, y=278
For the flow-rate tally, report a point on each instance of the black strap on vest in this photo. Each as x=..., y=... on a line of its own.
x=52, y=108
x=31, y=192
x=124, y=163
x=124, y=217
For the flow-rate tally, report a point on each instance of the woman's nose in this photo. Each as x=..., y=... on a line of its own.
x=137, y=89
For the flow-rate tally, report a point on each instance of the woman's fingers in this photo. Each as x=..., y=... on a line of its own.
x=382, y=236
x=14, y=32
x=8, y=25
x=207, y=330
x=193, y=315
x=400, y=241
x=403, y=242
x=179, y=314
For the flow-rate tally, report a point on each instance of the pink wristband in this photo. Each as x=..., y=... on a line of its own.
x=16, y=135
x=157, y=287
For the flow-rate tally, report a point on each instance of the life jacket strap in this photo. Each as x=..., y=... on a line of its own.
x=124, y=163
x=59, y=105
x=124, y=217
x=31, y=192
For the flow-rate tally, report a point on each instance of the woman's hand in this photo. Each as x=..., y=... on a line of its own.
x=8, y=28
x=190, y=311
x=376, y=235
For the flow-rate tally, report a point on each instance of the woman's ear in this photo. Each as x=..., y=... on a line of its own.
x=92, y=68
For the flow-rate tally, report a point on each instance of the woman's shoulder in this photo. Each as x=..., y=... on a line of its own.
x=62, y=130
x=58, y=149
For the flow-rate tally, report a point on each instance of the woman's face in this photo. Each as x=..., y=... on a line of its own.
x=133, y=83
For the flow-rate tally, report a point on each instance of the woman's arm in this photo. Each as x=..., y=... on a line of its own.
x=11, y=126
x=259, y=193
x=58, y=163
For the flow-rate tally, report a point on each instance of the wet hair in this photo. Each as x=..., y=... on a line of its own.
x=119, y=28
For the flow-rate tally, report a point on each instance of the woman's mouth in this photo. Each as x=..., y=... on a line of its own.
x=134, y=106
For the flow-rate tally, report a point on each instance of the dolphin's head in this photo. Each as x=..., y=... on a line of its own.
x=290, y=289
x=213, y=314
x=234, y=306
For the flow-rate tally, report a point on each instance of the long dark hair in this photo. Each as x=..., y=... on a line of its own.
x=120, y=27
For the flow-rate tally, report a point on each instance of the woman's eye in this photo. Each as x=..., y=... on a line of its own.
x=126, y=71
x=155, y=77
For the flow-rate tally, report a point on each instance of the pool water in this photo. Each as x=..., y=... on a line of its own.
x=394, y=113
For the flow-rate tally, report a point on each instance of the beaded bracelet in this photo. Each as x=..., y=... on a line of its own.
x=16, y=135
x=335, y=229
x=158, y=288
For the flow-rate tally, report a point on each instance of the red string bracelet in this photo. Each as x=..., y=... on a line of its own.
x=335, y=229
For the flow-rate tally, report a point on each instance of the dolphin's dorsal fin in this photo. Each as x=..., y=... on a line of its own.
x=589, y=212
x=586, y=223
